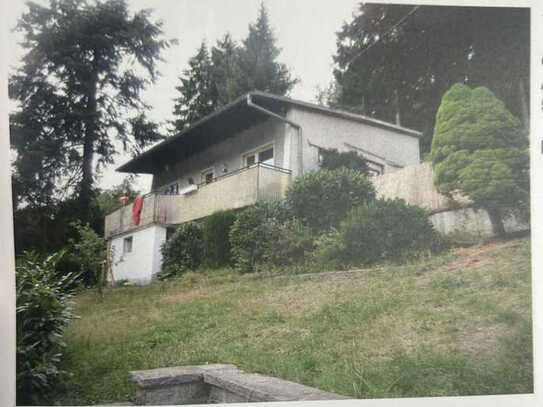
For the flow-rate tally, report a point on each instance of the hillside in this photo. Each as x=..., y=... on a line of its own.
x=454, y=324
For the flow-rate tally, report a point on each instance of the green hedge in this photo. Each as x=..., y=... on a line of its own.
x=216, y=242
x=333, y=159
x=288, y=242
x=321, y=199
x=380, y=230
x=252, y=232
x=183, y=252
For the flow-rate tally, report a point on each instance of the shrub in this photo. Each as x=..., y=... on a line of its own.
x=89, y=253
x=183, y=251
x=251, y=233
x=215, y=232
x=330, y=248
x=321, y=199
x=333, y=160
x=288, y=242
x=480, y=150
x=43, y=312
x=381, y=230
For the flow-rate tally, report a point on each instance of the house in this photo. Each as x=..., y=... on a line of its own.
x=248, y=151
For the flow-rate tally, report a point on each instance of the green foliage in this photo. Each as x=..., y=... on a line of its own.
x=332, y=160
x=380, y=230
x=251, y=233
x=325, y=326
x=406, y=71
x=49, y=228
x=225, y=69
x=288, y=242
x=43, y=312
x=77, y=92
x=89, y=253
x=480, y=150
x=257, y=60
x=197, y=92
x=473, y=119
x=321, y=199
x=215, y=236
x=183, y=251
x=108, y=200
x=230, y=70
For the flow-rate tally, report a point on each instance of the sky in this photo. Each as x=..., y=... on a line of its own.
x=305, y=30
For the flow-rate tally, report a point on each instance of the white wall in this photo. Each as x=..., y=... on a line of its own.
x=472, y=225
x=319, y=129
x=140, y=265
x=328, y=131
x=227, y=153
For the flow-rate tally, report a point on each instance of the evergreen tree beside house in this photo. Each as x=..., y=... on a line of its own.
x=395, y=62
x=480, y=150
x=219, y=76
x=70, y=87
x=258, y=66
x=78, y=101
x=198, y=93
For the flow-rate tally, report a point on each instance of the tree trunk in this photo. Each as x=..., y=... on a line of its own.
x=496, y=218
x=87, y=181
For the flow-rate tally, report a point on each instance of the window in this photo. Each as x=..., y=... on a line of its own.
x=207, y=176
x=250, y=159
x=127, y=245
x=263, y=155
x=266, y=156
x=172, y=189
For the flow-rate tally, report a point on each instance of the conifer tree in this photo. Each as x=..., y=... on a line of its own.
x=77, y=95
x=217, y=78
x=480, y=150
x=259, y=69
x=396, y=61
x=198, y=93
x=225, y=69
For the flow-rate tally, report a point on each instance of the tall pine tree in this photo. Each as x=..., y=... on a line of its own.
x=225, y=69
x=259, y=69
x=212, y=81
x=198, y=93
x=395, y=62
x=77, y=94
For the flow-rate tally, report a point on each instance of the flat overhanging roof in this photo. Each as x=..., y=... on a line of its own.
x=229, y=121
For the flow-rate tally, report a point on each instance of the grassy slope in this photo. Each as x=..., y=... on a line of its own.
x=456, y=324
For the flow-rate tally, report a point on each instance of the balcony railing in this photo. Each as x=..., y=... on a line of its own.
x=238, y=189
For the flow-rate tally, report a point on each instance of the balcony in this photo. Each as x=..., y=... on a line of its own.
x=238, y=189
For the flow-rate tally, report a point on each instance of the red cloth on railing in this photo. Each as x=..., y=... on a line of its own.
x=136, y=210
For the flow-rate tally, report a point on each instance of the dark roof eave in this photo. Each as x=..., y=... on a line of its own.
x=125, y=167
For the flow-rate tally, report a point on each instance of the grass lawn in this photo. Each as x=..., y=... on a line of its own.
x=454, y=324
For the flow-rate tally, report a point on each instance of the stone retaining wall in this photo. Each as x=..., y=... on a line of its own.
x=455, y=218
x=415, y=185
x=217, y=383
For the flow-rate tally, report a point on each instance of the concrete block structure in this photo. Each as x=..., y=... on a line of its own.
x=217, y=383
x=454, y=216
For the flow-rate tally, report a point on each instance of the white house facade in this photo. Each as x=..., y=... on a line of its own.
x=248, y=151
